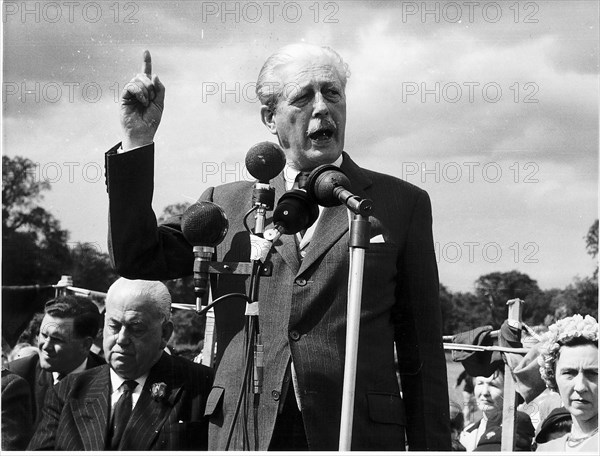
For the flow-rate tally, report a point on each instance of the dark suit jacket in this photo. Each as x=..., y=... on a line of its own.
x=16, y=412
x=303, y=308
x=40, y=380
x=77, y=411
x=491, y=439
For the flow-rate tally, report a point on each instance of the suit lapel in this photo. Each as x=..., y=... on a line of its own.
x=331, y=226
x=334, y=221
x=91, y=412
x=44, y=381
x=149, y=415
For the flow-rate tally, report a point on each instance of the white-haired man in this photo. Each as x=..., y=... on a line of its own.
x=303, y=303
x=144, y=399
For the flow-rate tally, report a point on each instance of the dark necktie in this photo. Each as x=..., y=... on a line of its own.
x=121, y=413
x=301, y=180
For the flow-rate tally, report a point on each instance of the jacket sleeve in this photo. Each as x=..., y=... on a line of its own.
x=418, y=334
x=16, y=412
x=139, y=249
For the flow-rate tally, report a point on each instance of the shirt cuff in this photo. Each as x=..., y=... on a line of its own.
x=120, y=150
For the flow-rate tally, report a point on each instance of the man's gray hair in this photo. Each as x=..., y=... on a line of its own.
x=154, y=291
x=268, y=86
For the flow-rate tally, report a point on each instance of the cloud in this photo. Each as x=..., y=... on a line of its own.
x=405, y=116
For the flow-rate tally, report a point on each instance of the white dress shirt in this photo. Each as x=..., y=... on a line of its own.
x=78, y=369
x=116, y=383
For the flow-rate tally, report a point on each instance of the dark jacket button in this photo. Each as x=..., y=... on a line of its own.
x=294, y=335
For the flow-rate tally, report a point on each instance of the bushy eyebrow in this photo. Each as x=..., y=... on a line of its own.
x=56, y=336
x=587, y=370
x=127, y=323
x=330, y=84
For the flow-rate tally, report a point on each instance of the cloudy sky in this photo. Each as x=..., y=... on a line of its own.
x=492, y=107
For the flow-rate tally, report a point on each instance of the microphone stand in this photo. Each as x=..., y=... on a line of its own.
x=252, y=381
x=263, y=199
x=256, y=345
x=359, y=242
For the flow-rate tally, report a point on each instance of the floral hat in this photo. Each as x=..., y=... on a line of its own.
x=559, y=334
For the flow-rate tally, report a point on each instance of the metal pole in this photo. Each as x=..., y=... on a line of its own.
x=359, y=241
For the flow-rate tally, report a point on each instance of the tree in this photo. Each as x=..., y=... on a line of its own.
x=459, y=311
x=91, y=268
x=35, y=249
x=470, y=311
x=582, y=296
x=34, y=244
x=498, y=287
x=591, y=240
x=20, y=192
x=172, y=210
x=591, y=245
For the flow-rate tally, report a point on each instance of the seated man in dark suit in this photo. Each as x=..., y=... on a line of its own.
x=66, y=334
x=144, y=399
x=16, y=412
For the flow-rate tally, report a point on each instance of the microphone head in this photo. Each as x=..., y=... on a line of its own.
x=204, y=224
x=265, y=160
x=295, y=212
x=321, y=183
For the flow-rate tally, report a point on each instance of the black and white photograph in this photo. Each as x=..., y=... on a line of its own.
x=300, y=226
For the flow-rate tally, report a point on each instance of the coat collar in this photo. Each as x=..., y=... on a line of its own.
x=332, y=225
x=335, y=221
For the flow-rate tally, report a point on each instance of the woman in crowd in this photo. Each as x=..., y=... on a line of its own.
x=486, y=434
x=569, y=365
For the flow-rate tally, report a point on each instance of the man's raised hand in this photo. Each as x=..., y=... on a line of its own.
x=142, y=104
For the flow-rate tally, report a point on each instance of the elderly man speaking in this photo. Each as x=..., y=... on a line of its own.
x=144, y=399
x=303, y=302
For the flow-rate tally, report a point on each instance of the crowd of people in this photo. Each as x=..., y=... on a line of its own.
x=139, y=397
x=559, y=416
x=65, y=397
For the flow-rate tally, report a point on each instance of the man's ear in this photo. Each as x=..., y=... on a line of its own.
x=268, y=118
x=167, y=332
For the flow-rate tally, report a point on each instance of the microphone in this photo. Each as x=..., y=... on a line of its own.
x=328, y=186
x=295, y=212
x=264, y=161
x=204, y=225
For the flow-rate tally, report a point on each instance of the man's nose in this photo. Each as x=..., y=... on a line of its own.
x=123, y=336
x=44, y=343
x=320, y=107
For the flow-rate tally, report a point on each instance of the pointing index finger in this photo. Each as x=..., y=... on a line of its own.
x=147, y=65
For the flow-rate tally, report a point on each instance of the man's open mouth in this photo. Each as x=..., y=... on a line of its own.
x=322, y=133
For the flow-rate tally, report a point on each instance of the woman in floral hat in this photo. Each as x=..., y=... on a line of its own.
x=569, y=365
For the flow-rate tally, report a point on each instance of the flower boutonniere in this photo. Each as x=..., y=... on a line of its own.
x=158, y=391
